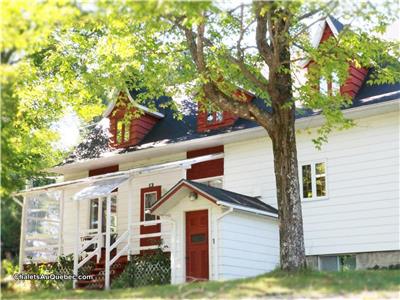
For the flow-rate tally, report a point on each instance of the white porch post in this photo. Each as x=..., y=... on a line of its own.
x=108, y=239
x=173, y=251
x=77, y=242
x=130, y=199
x=22, y=236
x=61, y=226
x=99, y=227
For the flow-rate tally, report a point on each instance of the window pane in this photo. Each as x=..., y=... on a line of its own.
x=328, y=263
x=219, y=116
x=307, y=189
x=127, y=132
x=335, y=83
x=321, y=186
x=149, y=200
x=323, y=86
x=94, y=208
x=119, y=131
x=210, y=117
x=320, y=168
x=198, y=238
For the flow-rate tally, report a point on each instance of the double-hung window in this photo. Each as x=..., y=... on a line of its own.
x=149, y=199
x=313, y=180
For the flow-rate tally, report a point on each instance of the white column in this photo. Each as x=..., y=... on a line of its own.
x=61, y=226
x=130, y=200
x=77, y=241
x=99, y=227
x=108, y=239
x=22, y=236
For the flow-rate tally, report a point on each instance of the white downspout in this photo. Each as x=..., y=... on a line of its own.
x=217, y=241
x=99, y=227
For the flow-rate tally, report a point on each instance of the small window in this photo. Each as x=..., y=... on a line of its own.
x=313, y=180
x=337, y=262
x=323, y=86
x=94, y=213
x=329, y=263
x=215, y=117
x=335, y=84
x=149, y=200
x=123, y=132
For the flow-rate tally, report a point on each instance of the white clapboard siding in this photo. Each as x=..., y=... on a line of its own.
x=248, y=245
x=361, y=211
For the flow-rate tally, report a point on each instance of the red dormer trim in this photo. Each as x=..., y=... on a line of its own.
x=132, y=132
x=356, y=75
x=227, y=119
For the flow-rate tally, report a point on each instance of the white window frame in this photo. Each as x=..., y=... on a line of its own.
x=313, y=180
x=202, y=180
x=144, y=207
x=335, y=84
x=116, y=203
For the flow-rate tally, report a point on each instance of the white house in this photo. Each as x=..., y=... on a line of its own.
x=205, y=186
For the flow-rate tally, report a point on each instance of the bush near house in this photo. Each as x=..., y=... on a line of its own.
x=149, y=269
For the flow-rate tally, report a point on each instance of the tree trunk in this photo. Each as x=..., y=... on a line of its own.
x=283, y=135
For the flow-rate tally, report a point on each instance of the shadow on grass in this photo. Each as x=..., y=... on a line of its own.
x=277, y=283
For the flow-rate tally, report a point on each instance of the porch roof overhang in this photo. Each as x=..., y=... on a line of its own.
x=89, y=184
x=217, y=196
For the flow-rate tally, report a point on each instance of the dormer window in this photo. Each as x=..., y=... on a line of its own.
x=215, y=117
x=123, y=131
x=323, y=86
x=331, y=87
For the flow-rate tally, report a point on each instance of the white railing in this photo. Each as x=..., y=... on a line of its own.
x=88, y=237
x=128, y=249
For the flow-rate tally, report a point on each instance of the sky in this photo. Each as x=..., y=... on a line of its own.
x=69, y=126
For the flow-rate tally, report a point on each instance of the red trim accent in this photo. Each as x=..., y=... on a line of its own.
x=138, y=128
x=176, y=189
x=208, y=168
x=152, y=228
x=197, y=251
x=105, y=170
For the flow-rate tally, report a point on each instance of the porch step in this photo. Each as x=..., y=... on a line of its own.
x=98, y=273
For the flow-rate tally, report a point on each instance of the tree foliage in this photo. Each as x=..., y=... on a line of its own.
x=205, y=50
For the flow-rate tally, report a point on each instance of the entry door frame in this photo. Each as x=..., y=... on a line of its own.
x=210, y=240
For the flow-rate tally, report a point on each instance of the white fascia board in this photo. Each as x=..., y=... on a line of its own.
x=160, y=148
x=113, y=101
x=248, y=209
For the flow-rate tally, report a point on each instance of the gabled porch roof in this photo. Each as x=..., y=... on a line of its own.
x=216, y=195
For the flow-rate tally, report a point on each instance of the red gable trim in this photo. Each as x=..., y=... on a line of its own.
x=175, y=189
x=208, y=168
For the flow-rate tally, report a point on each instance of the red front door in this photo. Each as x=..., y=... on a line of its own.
x=197, y=245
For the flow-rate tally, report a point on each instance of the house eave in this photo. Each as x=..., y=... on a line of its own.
x=160, y=149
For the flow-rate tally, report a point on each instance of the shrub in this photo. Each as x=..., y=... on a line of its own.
x=152, y=268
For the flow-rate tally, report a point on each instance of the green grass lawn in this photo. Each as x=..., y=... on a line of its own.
x=372, y=284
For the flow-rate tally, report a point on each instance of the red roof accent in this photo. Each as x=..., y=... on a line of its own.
x=356, y=75
x=138, y=128
x=105, y=170
x=208, y=168
x=228, y=118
